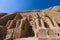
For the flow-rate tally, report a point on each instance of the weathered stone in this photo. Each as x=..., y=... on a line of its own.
x=41, y=25
x=9, y=34
x=3, y=31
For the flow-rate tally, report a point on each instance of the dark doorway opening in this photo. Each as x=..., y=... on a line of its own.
x=59, y=24
x=46, y=25
x=29, y=33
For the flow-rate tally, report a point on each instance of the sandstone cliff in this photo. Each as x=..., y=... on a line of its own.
x=35, y=25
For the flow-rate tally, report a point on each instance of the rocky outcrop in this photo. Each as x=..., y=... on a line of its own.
x=41, y=25
x=2, y=14
x=53, y=12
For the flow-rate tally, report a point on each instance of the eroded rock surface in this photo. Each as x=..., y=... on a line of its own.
x=34, y=25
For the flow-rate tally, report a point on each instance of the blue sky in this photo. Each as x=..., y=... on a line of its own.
x=21, y=5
